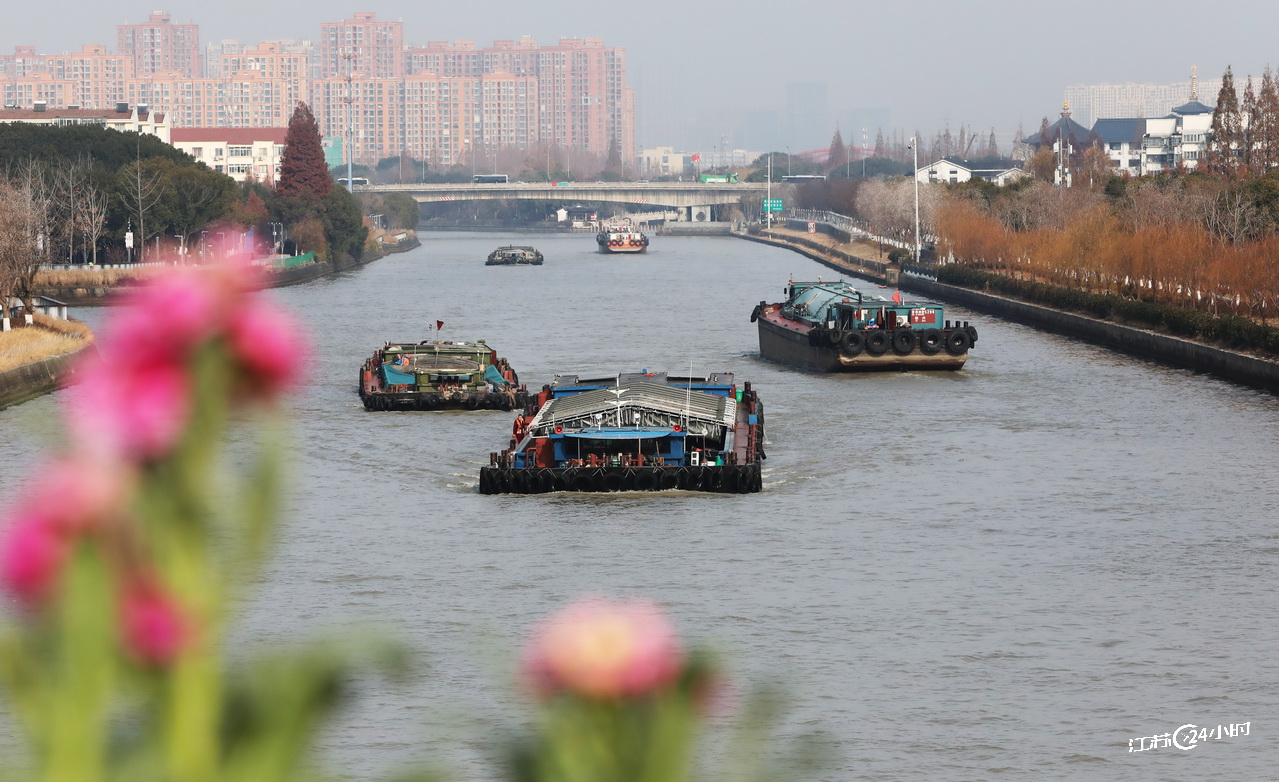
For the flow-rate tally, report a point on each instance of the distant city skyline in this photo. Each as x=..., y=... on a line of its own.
x=707, y=74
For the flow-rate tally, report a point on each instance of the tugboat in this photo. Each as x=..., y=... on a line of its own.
x=514, y=256
x=640, y=431
x=833, y=327
x=621, y=236
x=438, y=375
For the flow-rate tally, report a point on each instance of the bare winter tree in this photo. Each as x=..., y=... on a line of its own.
x=27, y=241
x=140, y=191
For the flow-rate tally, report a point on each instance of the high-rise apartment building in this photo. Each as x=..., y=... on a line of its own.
x=159, y=46
x=361, y=45
x=448, y=103
x=1092, y=102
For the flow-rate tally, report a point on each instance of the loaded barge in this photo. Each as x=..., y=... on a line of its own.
x=512, y=255
x=834, y=327
x=439, y=375
x=639, y=431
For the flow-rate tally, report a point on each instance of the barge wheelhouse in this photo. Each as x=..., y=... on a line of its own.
x=640, y=431
x=834, y=327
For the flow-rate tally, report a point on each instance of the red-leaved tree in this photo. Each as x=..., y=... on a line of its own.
x=303, y=170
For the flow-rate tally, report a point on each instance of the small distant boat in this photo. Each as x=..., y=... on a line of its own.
x=833, y=327
x=636, y=431
x=621, y=236
x=439, y=375
x=512, y=255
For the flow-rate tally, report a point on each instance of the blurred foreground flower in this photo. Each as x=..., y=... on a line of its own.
x=126, y=553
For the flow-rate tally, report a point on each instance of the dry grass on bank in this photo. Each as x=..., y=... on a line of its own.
x=91, y=278
x=48, y=338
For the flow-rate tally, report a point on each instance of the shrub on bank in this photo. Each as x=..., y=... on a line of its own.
x=1231, y=330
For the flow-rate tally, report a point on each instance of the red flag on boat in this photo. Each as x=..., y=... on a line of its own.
x=439, y=324
x=897, y=297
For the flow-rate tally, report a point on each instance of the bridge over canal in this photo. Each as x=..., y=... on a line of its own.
x=692, y=198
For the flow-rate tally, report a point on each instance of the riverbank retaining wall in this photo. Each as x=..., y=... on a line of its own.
x=1175, y=351
x=32, y=380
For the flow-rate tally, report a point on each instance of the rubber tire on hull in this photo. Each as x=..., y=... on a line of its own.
x=877, y=342
x=853, y=344
x=472, y=403
x=645, y=480
x=834, y=337
x=668, y=479
x=930, y=342
x=957, y=343
x=903, y=342
x=614, y=481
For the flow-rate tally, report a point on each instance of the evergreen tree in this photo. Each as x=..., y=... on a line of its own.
x=302, y=170
x=1226, y=140
x=837, y=158
x=992, y=146
x=1249, y=109
x=881, y=148
x=1265, y=124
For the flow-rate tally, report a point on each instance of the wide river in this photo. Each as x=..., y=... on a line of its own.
x=1007, y=572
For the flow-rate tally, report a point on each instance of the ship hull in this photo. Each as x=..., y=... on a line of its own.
x=788, y=343
x=718, y=479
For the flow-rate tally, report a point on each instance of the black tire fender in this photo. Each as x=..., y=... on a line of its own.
x=903, y=342
x=931, y=341
x=957, y=343
x=853, y=344
x=876, y=342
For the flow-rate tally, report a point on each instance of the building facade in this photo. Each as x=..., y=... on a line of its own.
x=241, y=153
x=445, y=103
x=122, y=118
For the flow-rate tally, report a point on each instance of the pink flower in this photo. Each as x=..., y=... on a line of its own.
x=167, y=317
x=131, y=410
x=604, y=649
x=154, y=628
x=269, y=347
x=31, y=557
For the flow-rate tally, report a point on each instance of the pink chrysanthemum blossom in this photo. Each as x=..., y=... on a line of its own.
x=604, y=649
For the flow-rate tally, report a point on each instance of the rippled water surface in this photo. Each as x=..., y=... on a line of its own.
x=1001, y=573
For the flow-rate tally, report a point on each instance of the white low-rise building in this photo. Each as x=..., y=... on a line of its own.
x=953, y=170
x=122, y=117
x=236, y=152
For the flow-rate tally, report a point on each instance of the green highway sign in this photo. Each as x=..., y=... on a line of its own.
x=772, y=204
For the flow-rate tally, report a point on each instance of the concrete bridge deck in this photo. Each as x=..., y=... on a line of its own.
x=675, y=195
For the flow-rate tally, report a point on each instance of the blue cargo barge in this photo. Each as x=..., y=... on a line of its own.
x=641, y=431
x=834, y=327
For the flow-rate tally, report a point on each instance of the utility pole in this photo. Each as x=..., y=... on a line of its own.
x=349, y=56
x=768, y=198
x=914, y=145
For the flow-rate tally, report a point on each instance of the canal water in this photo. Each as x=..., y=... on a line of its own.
x=1007, y=572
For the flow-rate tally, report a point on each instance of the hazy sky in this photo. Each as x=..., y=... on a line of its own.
x=712, y=70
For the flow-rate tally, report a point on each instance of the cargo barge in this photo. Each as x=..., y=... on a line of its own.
x=439, y=375
x=834, y=327
x=641, y=431
x=512, y=255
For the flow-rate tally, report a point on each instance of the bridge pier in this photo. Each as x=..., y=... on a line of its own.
x=696, y=214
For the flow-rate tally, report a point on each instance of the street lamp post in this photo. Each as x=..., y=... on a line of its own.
x=914, y=146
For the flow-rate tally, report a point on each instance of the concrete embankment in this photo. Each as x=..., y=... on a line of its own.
x=1231, y=365
x=41, y=377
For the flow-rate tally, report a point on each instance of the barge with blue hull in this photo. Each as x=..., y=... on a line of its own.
x=641, y=431
x=834, y=327
x=439, y=375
